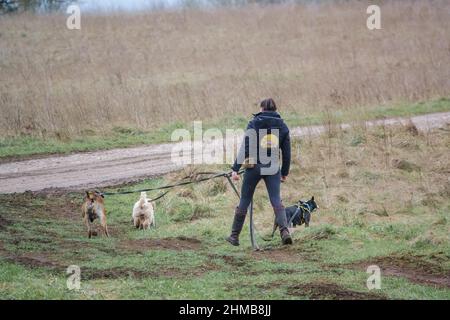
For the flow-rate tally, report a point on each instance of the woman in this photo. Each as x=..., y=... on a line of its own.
x=261, y=159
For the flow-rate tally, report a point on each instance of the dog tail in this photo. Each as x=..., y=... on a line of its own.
x=143, y=199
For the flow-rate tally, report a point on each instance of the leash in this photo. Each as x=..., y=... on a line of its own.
x=252, y=229
x=184, y=183
x=170, y=186
x=160, y=196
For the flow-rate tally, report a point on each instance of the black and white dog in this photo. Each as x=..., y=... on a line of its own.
x=299, y=213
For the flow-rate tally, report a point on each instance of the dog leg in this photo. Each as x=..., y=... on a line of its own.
x=136, y=222
x=88, y=225
x=142, y=223
x=104, y=226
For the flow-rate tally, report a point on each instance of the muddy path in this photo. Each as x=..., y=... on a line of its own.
x=112, y=167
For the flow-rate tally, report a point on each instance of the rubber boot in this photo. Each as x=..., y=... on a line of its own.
x=238, y=223
x=280, y=218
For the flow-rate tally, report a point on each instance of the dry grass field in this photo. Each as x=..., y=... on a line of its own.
x=148, y=69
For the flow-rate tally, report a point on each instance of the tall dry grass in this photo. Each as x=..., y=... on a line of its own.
x=142, y=70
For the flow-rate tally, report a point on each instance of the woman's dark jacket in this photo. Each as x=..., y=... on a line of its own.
x=269, y=120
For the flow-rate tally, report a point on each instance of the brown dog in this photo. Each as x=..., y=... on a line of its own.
x=94, y=207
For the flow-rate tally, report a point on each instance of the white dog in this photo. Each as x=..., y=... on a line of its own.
x=143, y=213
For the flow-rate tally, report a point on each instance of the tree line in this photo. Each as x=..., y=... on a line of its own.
x=8, y=6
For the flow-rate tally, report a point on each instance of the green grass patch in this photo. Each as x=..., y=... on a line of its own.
x=188, y=258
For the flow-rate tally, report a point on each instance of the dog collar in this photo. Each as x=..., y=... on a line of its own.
x=305, y=206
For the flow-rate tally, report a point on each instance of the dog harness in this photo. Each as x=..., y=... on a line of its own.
x=301, y=205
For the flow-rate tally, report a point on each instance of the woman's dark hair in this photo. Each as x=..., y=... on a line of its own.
x=268, y=105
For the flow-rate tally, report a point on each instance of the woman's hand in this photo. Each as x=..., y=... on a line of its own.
x=235, y=176
x=283, y=178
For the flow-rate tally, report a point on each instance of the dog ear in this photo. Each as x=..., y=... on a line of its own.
x=312, y=198
x=98, y=193
x=88, y=194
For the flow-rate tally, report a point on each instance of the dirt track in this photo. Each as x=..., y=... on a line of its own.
x=103, y=168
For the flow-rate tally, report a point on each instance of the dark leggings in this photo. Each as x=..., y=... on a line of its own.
x=251, y=179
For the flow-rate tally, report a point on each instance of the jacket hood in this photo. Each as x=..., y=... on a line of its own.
x=268, y=119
